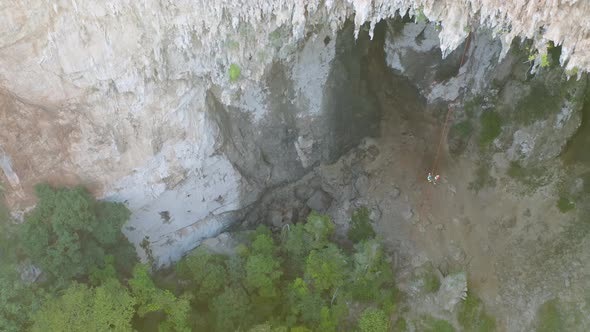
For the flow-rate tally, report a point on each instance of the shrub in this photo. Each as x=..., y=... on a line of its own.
x=549, y=319
x=234, y=72
x=491, y=127
x=564, y=204
x=360, y=226
x=472, y=316
x=532, y=177
x=483, y=178
x=68, y=233
x=431, y=324
x=373, y=320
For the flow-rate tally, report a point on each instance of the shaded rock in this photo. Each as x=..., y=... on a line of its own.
x=395, y=192
x=453, y=290
x=361, y=185
x=407, y=213
x=320, y=201
x=223, y=244
x=29, y=273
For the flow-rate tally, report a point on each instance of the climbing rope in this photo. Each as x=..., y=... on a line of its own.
x=443, y=136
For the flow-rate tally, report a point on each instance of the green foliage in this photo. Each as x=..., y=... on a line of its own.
x=68, y=233
x=99, y=275
x=483, y=178
x=234, y=72
x=16, y=301
x=151, y=299
x=472, y=316
x=532, y=177
x=549, y=319
x=462, y=129
x=206, y=272
x=262, y=274
x=431, y=324
x=267, y=327
x=537, y=105
x=296, y=243
x=420, y=16
x=326, y=268
x=231, y=309
x=360, y=226
x=491, y=127
x=430, y=280
x=304, y=305
x=373, y=320
x=400, y=325
x=370, y=272
x=330, y=317
x=320, y=227
x=105, y=308
x=544, y=61
x=565, y=205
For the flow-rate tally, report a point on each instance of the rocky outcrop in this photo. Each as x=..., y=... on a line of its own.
x=136, y=100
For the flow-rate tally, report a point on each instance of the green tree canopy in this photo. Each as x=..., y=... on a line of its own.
x=207, y=273
x=326, y=268
x=373, y=320
x=109, y=307
x=16, y=301
x=231, y=309
x=263, y=269
x=320, y=227
x=69, y=232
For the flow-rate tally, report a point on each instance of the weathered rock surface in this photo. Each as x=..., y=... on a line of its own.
x=135, y=100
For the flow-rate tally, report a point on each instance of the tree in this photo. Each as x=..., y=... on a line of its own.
x=68, y=232
x=109, y=307
x=326, y=268
x=153, y=299
x=206, y=271
x=370, y=273
x=16, y=301
x=373, y=320
x=263, y=270
x=231, y=309
x=320, y=227
x=304, y=305
x=262, y=274
x=360, y=226
x=297, y=244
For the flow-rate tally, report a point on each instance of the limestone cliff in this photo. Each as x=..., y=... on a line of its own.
x=136, y=100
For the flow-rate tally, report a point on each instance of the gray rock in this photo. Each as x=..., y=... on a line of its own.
x=407, y=213
x=361, y=185
x=320, y=201
x=275, y=218
x=29, y=273
x=303, y=192
x=395, y=192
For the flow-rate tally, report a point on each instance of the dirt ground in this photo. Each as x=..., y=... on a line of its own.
x=496, y=235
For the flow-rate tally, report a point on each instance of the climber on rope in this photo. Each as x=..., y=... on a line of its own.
x=434, y=180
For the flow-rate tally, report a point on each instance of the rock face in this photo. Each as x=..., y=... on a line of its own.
x=135, y=100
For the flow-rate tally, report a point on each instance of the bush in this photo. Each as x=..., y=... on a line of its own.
x=431, y=324
x=564, y=205
x=483, y=178
x=373, y=320
x=68, y=233
x=549, y=319
x=532, y=177
x=234, y=72
x=472, y=316
x=360, y=226
x=491, y=127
